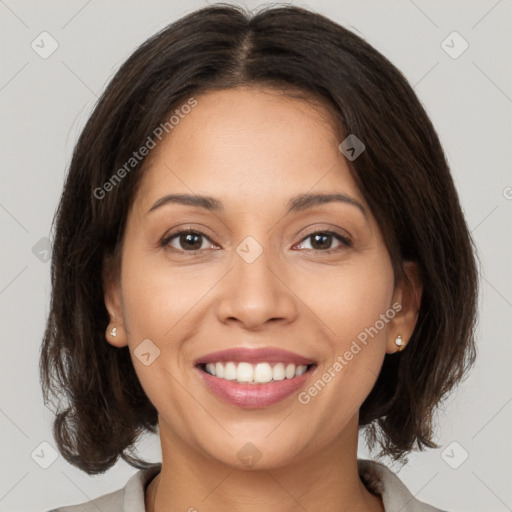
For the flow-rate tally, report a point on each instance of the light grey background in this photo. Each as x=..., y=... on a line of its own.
x=44, y=105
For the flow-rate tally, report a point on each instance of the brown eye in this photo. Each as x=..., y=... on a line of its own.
x=186, y=240
x=323, y=240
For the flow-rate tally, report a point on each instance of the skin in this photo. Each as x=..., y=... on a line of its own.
x=253, y=149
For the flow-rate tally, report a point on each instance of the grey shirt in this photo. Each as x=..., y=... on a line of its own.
x=377, y=478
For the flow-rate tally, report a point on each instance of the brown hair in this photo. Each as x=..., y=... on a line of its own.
x=403, y=175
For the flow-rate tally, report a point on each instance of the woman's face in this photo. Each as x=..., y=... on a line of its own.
x=267, y=266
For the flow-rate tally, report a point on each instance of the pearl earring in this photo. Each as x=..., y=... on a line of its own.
x=113, y=332
x=399, y=343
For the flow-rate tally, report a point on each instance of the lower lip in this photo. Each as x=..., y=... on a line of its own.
x=254, y=396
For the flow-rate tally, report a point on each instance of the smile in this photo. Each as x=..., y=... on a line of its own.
x=260, y=373
x=254, y=378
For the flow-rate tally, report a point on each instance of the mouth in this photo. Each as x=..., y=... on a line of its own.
x=260, y=373
x=254, y=378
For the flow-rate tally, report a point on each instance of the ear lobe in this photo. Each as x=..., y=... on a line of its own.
x=409, y=296
x=115, y=333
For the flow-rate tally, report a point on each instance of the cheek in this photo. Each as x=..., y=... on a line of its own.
x=354, y=302
x=156, y=301
x=156, y=295
x=350, y=297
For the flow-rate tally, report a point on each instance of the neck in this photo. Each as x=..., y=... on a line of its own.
x=327, y=480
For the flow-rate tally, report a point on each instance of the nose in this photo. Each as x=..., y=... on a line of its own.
x=257, y=293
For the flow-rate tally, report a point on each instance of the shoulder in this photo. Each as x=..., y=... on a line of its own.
x=107, y=503
x=130, y=497
x=380, y=480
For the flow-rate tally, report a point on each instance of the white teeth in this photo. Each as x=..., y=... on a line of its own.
x=254, y=374
x=263, y=373
x=300, y=370
x=219, y=370
x=289, y=373
x=230, y=371
x=244, y=372
x=278, y=371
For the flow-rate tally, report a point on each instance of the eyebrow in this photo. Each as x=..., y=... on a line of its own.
x=297, y=203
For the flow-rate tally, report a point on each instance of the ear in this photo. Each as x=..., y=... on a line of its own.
x=113, y=303
x=409, y=296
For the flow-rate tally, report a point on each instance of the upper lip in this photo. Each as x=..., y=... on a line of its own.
x=255, y=355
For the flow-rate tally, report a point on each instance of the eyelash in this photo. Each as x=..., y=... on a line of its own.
x=344, y=240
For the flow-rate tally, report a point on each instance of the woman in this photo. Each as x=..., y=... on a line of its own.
x=259, y=250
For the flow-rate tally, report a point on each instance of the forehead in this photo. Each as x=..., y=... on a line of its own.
x=251, y=145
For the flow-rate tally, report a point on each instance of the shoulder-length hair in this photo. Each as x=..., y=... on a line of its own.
x=403, y=174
